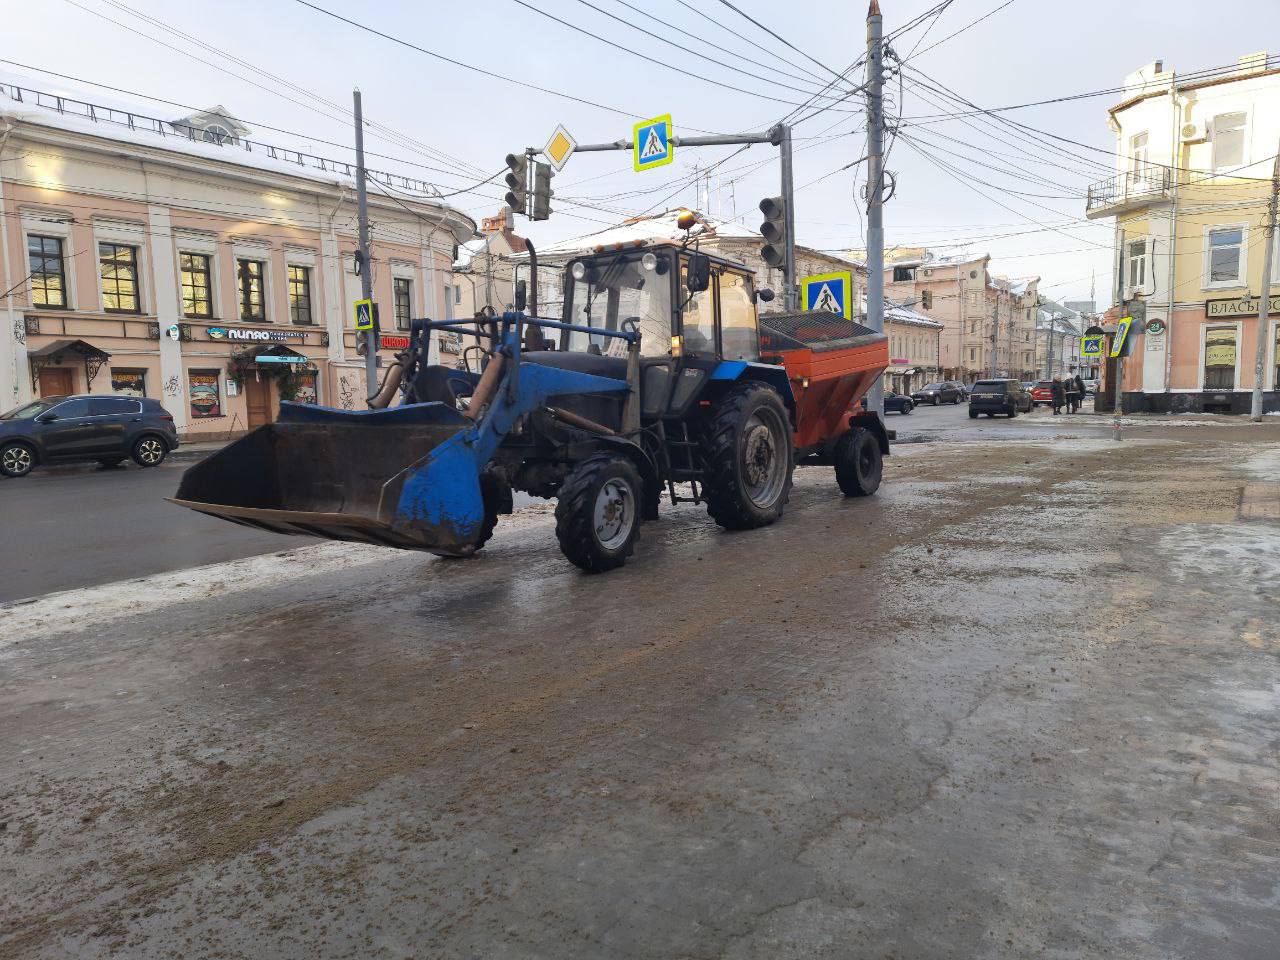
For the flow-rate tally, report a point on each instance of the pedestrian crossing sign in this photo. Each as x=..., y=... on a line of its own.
x=364, y=314
x=829, y=292
x=651, y=144
x=1091, y=346
x=1120, y=342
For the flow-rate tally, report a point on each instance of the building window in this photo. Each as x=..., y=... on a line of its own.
x=1228, y=140
x=119, y=267
x=204, y=394
x=299, y=295
x=1136, y=271
x=1219, y=358
x=457, y=293
x=44, y=263
x=903, y=273
x=1139, y=152
x=1226, y=256
x=130, y=383
x=197, y=292
x=404, y=302
x=249, y=283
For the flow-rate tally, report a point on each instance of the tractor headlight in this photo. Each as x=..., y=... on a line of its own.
x=578, y=270
x=649, y=261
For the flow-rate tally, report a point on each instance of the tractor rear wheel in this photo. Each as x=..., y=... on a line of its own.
x=598, y=512
x=749, y=452
x=859, y=463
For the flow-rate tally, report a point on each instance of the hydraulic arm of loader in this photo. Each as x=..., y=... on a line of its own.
x=405, y=477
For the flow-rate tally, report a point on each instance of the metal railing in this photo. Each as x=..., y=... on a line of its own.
x=170, y=129
x=1147, y=182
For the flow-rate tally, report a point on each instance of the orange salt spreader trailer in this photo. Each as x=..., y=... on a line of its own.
x=831, y=363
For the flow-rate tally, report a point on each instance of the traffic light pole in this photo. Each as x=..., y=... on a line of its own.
x=875, y=187
x=1264, y=308
x=780, y=137
x=366, y=274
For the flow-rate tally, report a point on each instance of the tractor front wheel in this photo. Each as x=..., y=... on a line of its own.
x=749, y=452
x=598, y=513
x=859, y=463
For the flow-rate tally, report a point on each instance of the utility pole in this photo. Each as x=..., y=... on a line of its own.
x=875, y=187
x=791, y=295
x=995, y=336
x=366, y=273
x=1264, y=310
x=1053, y=328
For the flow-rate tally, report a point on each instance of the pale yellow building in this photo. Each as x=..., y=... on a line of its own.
x=1189, y=197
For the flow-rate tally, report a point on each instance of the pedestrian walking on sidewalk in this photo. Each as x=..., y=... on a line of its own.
x=1071, y=394
x=1059, y=395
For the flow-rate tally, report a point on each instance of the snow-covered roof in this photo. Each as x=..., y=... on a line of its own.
x=61, y=107
x=897, y=313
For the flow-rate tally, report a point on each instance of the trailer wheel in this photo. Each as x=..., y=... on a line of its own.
x=749, y=453
x=859, y=463
x=598, y=513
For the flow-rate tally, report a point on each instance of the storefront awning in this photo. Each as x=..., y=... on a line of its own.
x=272, y=354
x=60, y=351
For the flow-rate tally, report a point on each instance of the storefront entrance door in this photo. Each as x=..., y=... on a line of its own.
x=56, y=382
x=257, y=398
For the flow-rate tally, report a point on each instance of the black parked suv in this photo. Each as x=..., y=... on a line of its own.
x=998, y=396
x=68, y=429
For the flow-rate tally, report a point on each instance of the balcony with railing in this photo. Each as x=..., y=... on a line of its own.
x=1128, y=191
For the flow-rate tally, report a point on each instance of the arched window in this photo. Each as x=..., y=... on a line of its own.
x=216, y=133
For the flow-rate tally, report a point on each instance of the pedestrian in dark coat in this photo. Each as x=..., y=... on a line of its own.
x=1080, y=389
x=1059, y=395
x=1072, y=394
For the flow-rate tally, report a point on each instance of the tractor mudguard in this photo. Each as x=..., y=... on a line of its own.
x=774, y=376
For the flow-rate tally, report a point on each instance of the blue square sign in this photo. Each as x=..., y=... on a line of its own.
x=652, y=145
x=828, y=292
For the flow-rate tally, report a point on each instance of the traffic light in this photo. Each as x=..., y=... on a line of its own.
x=541, y=191
x=926, y=299
x=518, y=180
x=774, y=231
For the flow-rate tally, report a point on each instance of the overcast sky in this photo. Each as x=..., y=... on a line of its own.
x=1030, y=50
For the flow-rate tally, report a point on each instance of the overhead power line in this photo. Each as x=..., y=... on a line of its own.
x=642, y=56
x=745, y=39
x=516, y=81
x=974, y=23
x=780, y=39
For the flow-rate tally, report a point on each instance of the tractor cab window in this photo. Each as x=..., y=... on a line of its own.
x=739, y=336
x=615, y=294
x=699, y=318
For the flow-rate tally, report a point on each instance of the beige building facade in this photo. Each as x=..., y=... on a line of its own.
x=187, y=263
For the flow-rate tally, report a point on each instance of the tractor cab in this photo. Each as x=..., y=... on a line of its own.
x=691, y=310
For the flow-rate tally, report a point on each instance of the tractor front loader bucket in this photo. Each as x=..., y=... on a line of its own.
x=401, y=477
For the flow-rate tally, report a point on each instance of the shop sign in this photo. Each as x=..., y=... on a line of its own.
x=203, y=393
x=1238, y=307
x=259, y=336
x=393, y=343
x=900, y=361
x=130, y=383
x=288, y=358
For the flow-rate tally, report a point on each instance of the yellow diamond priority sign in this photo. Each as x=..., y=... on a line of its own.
x=560, y=147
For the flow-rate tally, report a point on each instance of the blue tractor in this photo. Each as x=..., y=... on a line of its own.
x=653, y=378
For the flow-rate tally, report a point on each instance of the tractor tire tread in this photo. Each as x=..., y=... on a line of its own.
x=574, y=503
x=720, y=484
x=852, y=482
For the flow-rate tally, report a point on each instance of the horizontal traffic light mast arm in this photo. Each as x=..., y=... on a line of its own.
x=773, y=136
